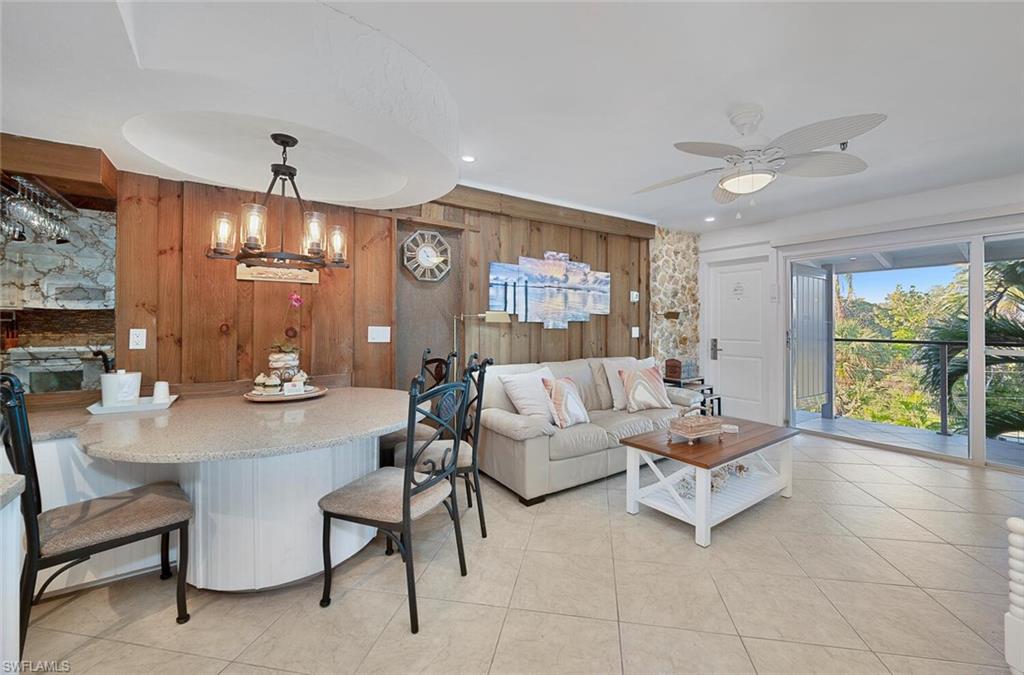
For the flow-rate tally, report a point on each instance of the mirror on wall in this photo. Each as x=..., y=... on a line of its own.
x=57, y=304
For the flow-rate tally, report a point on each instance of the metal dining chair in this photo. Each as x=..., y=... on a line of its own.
x=392, y=498
x=70, y=535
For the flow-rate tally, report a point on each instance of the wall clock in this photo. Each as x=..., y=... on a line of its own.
x=427, y=255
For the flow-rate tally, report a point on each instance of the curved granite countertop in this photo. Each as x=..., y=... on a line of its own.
x=11, y=485
x=228, y=427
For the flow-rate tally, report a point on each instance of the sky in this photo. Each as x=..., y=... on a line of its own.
x=874, y=286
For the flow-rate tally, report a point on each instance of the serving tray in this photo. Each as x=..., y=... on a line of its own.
x=311, y=391
x=145, y=404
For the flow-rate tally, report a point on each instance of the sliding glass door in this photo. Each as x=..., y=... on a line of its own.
x=879, y=346
x=1004, y=350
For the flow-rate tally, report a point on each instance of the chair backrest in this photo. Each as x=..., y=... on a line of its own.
x=435, y=371
x=445, y=406
x=476, y=397
x=17, y=440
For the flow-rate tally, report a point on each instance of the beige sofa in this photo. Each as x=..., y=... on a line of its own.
x=534, y=458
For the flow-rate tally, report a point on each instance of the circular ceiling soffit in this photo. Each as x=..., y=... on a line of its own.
x=376, y=127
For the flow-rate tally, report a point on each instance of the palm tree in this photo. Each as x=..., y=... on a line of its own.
x=1004, y=325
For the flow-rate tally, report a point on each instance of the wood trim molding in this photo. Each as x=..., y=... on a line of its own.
x=518, y=207
x=434, y=222
x=73, y=170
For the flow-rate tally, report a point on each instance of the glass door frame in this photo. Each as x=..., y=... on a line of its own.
x=854, y=244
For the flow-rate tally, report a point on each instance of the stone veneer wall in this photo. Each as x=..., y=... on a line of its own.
x=39, y=273
x=674, y=264
x=65, y=327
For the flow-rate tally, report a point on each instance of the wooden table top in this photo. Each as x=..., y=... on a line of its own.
x=709, y=452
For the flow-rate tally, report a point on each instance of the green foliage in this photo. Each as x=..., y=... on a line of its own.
x=881, y=382
x=1004, y=381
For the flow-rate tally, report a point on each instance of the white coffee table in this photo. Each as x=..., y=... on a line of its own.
x=705, y=509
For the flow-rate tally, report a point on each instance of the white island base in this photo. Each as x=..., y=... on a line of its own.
x=256, y=524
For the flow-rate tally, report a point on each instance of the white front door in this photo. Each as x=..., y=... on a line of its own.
x=736, y=344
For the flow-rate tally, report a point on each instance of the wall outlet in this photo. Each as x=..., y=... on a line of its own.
x=378, y=334
x=634, y=296
x=137, y=338
x=635, y=331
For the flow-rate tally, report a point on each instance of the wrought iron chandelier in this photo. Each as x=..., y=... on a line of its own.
x=319, y=248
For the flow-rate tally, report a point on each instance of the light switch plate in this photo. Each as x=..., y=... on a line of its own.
x=378, y=334
x=634, y=296
x=635, y=331
x=137, y=338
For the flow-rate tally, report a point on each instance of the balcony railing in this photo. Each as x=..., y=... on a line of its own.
x=944, y=349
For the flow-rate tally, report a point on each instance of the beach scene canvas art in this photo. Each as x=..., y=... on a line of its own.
x=552, y=290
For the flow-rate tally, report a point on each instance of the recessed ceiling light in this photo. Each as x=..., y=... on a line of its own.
x=469, y=159
x=709, y=219
x=853, y=257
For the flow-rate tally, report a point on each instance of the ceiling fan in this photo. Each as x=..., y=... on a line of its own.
x=754, y=162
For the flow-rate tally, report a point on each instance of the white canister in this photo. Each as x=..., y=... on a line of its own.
x=120, y=388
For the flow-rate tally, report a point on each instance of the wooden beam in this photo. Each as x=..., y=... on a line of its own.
x=73, y=170
x=518, y=207
x=434, y=222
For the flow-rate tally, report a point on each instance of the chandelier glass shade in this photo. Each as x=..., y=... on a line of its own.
x=316, y=249
x=745, y=181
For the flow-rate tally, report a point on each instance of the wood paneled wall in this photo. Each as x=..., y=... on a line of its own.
x=488, y=236
x=205, y=326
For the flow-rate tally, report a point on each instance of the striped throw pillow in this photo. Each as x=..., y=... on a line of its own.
x=565, y=402
x=644, y=389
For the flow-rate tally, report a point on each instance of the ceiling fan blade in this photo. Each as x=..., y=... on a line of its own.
x=822, y=163
x=825, y=133
x=717, y=150
x=673, y=181
x=723, y=196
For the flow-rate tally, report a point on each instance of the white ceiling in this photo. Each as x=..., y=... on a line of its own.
x=194, y=90
x=580, y=103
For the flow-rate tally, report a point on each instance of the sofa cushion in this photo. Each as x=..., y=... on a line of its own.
x=577, y=440
x=582, y=376
x=644, y=390
x=660, y=416
x=619, y=424
x=565, y=402
x=604, y=392
x=612, y=368
x=494, y=390
x=526, y=391
x=685, y=397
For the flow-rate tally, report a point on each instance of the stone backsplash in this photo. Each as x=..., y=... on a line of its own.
x=674, y=264
x=65, y=327
x=40, y=273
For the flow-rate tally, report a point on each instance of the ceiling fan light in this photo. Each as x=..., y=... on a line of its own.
x=745, y=182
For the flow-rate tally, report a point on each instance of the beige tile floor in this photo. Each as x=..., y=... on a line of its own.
x=879, y=563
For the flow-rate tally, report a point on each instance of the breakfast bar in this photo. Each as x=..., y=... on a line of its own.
x=253, y=471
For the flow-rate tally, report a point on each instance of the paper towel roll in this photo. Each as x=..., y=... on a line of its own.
x=120, y=388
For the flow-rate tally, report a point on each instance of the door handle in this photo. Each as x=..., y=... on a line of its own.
x=715, y=349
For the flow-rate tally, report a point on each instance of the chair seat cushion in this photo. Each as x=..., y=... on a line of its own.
x=435, y=452
x=620, y=424
x=378, y=496
x=576, y=441
x=105, y=519
x=422, y=433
